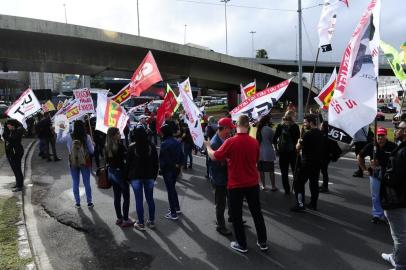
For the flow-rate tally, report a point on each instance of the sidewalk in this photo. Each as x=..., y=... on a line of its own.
x=14, y=245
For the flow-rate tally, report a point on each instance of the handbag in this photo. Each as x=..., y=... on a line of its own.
x=102, y=179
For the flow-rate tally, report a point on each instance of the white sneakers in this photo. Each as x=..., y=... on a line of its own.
x=388, y=258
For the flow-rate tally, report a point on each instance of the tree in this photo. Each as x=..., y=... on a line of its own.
x=262, y=53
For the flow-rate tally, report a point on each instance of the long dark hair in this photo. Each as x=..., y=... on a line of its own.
x=142, y=147
x=111, y=143
x=264, y=121
x=79, y=132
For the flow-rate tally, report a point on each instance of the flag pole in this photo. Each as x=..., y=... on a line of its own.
x=304, y=112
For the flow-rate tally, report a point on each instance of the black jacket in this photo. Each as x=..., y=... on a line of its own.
x=13, y=146
x=118, y=160
x=393, y=185
x=142, y=165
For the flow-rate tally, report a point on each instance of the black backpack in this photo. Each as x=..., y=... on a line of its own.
x=285, y=142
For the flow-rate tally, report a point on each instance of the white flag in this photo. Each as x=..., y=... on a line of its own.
x=186, y=88
x=354, y=103
x=261, y=103
x=85, y=100
x=327, y=22
x=109, y=114
x=192, y=113
x=71, y=110
x=24, y=107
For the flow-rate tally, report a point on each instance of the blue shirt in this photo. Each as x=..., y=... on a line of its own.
x=217, y=169
x=61, y=138
x=170, y=154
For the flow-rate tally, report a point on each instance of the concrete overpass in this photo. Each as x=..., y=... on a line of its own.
x=322, y=67
x=44, y=46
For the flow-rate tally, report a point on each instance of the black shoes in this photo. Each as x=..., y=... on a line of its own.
x=17, y=189
x=358, y=174
x=323, y=189
x=57, y=159
x=311, y=206
x=224, y=231
x=378, y=220
x=297, y=209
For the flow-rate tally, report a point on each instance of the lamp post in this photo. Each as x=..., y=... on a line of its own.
x=66, y=18
x=300, y=84
x=225, y=18
x=252, y=43
x=184, y=35
x=138, y=19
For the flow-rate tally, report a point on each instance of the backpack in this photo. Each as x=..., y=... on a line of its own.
x=285, y=143
x=78, y=155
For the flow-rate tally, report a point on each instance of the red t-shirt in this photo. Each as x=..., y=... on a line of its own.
x=241, y=153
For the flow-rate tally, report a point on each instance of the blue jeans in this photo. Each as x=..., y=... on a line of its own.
x=187, y=150
x=41, y=146
x=170, y=182
x=397, y=223
x=120, y=187
x=377, y=210
x=148, y=186
x=75, y=173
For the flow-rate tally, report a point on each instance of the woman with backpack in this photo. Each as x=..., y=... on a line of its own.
x=142, y=172
x=265, y=136
x=80, y=147
x=115, y=155
x=286, y=136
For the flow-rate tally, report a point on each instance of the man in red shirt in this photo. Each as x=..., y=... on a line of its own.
x=241, y=153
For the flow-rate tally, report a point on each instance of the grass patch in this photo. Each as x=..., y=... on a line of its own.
x=9, y=258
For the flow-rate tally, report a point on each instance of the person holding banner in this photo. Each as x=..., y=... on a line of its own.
x=241, y=153
x=80, y=147
x=12, y=136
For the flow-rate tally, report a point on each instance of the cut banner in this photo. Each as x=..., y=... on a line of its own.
x=167, y=108
x=24, y=107
x=145, y=75
x=109, y=114
x=261, y=103
x=354, y=103
x=325, y=95
x=327, y=22
x=394, y=60
x=193, y=116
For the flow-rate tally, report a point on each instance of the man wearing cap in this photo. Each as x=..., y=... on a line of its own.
x=393, y=199
x=376, y=170
x=218, y=174
x=242, y=153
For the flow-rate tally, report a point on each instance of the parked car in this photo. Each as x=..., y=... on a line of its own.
x=387, y=109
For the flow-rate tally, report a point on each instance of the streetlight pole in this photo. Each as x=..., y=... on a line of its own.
x=225, y=18
x=66, y=18
x=184, y=35
x=252, y=43
x=300, y=84
x=138, y=19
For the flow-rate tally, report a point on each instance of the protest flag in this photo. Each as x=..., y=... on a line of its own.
x=394, y=60
x=325, y=95
x=26, y=105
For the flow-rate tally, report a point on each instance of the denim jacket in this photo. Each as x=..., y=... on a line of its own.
x=170, y=154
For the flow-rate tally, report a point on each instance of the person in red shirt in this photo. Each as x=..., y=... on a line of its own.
x=242, y=153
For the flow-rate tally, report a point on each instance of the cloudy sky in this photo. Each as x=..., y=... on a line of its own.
x=274, y=21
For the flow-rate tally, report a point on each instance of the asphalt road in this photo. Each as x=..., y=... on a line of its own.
x=338, y=236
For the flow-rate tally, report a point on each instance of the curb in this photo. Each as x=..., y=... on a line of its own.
x=24, y=249
x=39, y=256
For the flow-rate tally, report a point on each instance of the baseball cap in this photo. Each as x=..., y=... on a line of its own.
x=382, y=131
x=226, y=122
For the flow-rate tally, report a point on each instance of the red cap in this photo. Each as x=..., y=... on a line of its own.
x=382, y=131
x=226, y=122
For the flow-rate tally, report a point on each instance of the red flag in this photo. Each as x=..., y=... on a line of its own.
x=146, y=75
x=167, y=107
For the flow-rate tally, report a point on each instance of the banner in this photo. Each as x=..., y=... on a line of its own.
x=167, y=107
x=26, y=105
x=145, y=75
x=261, y=103
x=123, y=95
x=248, y=90
x=325, y=95
x=186, y=88
x=354, y=103
x=85, y=100
x=109, y=114
x=394, y=60
x=48, y=106
x=71, y=110
x=327, y=22
x=193, y=115
x=59, y=105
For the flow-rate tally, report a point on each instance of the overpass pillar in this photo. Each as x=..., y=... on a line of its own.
x=232, y=98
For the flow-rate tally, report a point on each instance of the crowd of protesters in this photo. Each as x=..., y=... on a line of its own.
x=237, y=167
